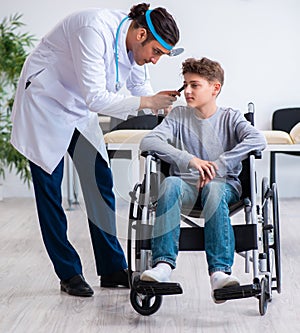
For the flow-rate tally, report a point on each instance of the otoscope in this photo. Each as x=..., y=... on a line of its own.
x=180, y=89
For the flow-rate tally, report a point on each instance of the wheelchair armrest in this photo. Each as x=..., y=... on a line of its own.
x=151, y=153
x=257, y=154
x=164, y=166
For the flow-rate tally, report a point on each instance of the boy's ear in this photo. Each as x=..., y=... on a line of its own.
x=217, y=88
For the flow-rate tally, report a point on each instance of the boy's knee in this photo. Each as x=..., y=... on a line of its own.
x=213, y=194
x=214, y=188
x=170, y=185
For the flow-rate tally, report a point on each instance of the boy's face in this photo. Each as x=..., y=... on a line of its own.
x=198, y=91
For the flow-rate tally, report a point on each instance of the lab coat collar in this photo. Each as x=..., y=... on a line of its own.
x=124, y=57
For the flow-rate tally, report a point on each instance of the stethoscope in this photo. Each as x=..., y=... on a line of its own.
x=173, y=52
x=118, y=84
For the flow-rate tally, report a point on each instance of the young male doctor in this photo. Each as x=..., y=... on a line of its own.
x=74, y=73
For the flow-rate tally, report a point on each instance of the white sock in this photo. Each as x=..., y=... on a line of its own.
x=164, y=267
x=160, y=273
x=220, y=280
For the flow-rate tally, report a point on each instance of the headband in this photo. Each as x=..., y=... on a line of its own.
x=154, y=33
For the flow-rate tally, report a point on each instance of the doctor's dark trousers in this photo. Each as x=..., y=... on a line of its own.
x=96, y=183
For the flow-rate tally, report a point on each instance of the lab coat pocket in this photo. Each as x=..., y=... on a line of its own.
x=32, y=77
x=46, y=83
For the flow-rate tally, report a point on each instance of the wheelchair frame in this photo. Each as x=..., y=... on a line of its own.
x=258, y=240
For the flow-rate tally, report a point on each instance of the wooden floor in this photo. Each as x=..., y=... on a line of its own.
x=30, y=299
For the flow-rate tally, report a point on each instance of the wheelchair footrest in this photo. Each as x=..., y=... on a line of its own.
x=157, y=288
x=236, y=292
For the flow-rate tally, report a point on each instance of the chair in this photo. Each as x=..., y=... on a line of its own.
x=140, y=122
x=283, y=120
x=132, y=125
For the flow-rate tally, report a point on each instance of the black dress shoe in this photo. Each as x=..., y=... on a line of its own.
x=76, y=286
x=115, y=280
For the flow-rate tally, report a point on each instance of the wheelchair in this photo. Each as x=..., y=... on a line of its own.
x=257, y=240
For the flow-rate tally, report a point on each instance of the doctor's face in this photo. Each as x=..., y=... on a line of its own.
x=148, y=52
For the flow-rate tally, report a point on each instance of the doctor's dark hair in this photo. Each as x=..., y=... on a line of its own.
x=206, y=68
x=162, y=21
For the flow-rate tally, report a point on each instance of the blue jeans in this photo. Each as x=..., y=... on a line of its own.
x=97, y=187
x=216, y=196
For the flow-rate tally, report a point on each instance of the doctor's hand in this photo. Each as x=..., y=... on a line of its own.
x=167, y=110
x=161, y=100
x=163, y=112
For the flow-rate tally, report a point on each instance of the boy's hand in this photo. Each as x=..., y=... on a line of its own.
x=207, y=170
x=202, y=182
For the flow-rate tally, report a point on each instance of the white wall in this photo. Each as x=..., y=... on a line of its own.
x=256, y=41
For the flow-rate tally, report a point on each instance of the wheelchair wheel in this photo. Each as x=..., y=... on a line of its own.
x=143, y=304
x=264, y=297
x=276, y=244
x=267, y=226
x=264, y=188
x=271, y=238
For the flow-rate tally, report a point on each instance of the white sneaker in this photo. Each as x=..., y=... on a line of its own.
x=160, y=273
x=220, y=280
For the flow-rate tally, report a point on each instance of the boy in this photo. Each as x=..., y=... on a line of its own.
x=205, y=145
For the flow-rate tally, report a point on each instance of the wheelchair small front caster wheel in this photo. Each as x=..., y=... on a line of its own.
x=143, y=304
x=264, y=297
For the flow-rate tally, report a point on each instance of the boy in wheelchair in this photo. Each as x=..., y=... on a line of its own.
x=204, y=145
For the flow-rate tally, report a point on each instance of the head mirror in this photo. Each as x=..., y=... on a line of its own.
x=176, y=52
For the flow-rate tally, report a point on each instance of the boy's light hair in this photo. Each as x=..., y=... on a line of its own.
x=206, y=68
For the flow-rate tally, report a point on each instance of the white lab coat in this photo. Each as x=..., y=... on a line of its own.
x=73, y=75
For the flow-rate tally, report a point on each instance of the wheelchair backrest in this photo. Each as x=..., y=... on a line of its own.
x=244, y=176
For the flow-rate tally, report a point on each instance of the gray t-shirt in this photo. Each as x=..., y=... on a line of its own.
x=225, y=138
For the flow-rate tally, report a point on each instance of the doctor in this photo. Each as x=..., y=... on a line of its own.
x=74, y=73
